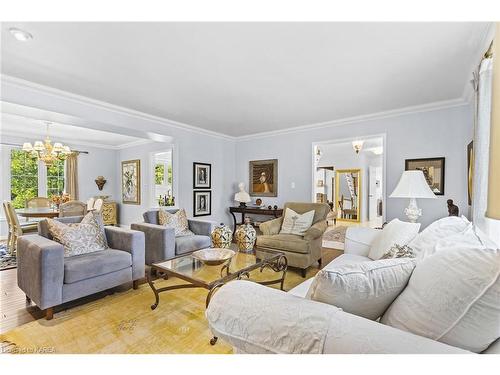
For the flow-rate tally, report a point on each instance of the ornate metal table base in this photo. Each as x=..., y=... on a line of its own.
x=277, y=264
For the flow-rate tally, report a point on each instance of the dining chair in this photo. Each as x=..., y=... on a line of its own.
x=98, y=205
x=90, y=204
x=16, y=229
x=38, y=202
x=72, y=208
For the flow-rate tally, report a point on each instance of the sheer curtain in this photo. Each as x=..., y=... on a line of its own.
x=481, y=153
x=72, y=175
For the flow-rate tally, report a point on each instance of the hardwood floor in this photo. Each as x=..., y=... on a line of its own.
x=16, y=311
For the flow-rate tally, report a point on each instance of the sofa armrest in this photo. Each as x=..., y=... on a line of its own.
x=40, y=269
x=271, y=227
x=201, y=227
x=131, y=241
x=358, y=240
x=159, y=241
x=278, y=319
x=315, y=231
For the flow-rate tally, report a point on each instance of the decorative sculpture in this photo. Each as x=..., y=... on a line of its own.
x=222, y=236
x=245, y=236
x=242, y=196
x=100, y=181
x=452, y=208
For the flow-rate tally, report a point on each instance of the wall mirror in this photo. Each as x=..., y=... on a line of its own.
x=347, y=194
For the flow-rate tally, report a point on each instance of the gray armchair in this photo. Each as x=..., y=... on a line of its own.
x=300, y=251
x=49, y=279
x=161, y=242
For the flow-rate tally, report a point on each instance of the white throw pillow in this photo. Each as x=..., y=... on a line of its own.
x=364, y=289
x=453, y=296
x=396, y=232
x=294, y=223
x=178, y=221
x=424, y=243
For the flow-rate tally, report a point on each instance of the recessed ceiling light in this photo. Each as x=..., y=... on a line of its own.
x=20, y=35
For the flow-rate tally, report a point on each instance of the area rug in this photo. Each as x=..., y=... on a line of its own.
x=6, y=260
x=335, y=238
x=124, y=323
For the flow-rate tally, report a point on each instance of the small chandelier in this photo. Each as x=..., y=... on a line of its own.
x=357, y=146
x=45, y=151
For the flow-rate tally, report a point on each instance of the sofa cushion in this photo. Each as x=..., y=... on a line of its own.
x=396, y=232
x=286, y=242
x=86, y=266
x=295, y=223
x=424, y=243
x=453, y=296
x=364, y=289
x=187, y=244
x=302, y=289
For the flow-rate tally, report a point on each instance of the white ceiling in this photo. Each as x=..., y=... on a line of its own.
x=34, y=130
x=245, y=78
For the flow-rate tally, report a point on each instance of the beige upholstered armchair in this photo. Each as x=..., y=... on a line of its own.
x=300, y=251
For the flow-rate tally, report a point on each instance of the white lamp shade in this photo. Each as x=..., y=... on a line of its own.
x=27, y=147
x=58, y=147
x=39, y=146
x=412, y=185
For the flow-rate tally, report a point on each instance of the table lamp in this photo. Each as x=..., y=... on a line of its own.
x=413, y=185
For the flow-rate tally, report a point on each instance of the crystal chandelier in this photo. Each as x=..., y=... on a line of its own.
x=45, y=151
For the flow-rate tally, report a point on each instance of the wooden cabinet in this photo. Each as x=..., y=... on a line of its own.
x=109, y=213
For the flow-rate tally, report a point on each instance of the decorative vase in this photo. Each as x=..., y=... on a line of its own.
x=245, y=237
x=222, y=236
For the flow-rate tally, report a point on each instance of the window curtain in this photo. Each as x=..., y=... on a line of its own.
x=481, y=152
x=72, y=175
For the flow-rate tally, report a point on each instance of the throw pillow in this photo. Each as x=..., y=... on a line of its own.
x=82, y=238
x=177, y=221
x=452, y=296
x=424, y=243
x=398, y=251
x=365, y=289
x=294, y=223
x=396, y=232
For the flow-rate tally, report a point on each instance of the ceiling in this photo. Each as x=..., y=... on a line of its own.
x=28, y=128
x=246, y=78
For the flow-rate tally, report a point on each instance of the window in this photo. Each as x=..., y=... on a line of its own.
x=163, y=178
x=30, y=178
x=55, y=178
x=24, y=178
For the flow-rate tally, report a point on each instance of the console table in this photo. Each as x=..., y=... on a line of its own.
x=252, y=211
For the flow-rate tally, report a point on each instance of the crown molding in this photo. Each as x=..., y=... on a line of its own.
x=355, y=119
x=80, y=99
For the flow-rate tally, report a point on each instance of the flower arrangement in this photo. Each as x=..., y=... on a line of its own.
x=58, y=199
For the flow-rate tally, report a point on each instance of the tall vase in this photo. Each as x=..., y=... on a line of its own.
x=245, y=237
x=222, y=236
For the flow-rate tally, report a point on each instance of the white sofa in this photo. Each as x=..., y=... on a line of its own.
x=257, y=319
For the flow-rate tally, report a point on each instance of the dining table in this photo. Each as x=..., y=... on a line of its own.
x=37, y=212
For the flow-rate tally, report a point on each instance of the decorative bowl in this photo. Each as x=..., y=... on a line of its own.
x=213, y=256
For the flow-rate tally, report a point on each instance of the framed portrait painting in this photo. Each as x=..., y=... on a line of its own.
x=433, y=169
x=202, y=203
x=131, y=182
x=264, y=178
x=202, y=176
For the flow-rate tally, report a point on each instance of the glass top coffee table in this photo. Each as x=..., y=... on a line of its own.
x=198, y=275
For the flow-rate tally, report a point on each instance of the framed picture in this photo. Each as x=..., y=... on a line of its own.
x=470, y=171
x=202, y=176
x=433, y=169
x=264, y=178
x=131, y=182
x=202, y=203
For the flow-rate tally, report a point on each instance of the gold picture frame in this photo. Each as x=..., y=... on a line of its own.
x=348, y=213
x=131, y=181
x=263, y=179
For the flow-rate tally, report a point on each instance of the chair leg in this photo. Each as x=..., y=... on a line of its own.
x=320, y=262
x=135, y=284
x=49, y=313
x=28, y=300
x=303, y=272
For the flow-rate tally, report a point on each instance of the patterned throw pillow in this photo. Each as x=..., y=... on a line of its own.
x=178, y=221
x=81, y=238
x=294, y=223
x=398, y=251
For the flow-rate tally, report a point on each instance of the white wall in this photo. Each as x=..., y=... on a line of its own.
x=444, y=132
